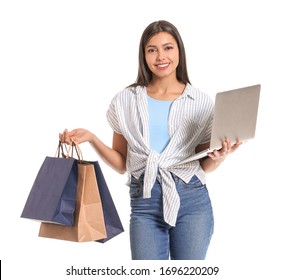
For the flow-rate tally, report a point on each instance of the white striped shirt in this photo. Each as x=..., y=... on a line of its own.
x=190, y=123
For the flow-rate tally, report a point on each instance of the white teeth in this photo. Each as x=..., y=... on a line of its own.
x=163, y=65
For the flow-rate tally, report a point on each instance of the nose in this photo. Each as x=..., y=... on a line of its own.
x=160, y=56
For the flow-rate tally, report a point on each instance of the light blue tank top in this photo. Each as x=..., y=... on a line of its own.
x=158, y=111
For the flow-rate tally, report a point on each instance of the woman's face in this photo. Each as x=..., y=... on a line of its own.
x=162, y=55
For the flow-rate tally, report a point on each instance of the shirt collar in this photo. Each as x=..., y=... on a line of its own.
x=188, y=92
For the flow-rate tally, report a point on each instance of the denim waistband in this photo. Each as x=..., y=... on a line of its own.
x=194, y=179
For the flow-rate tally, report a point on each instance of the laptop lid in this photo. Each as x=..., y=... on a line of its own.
x=235, y=115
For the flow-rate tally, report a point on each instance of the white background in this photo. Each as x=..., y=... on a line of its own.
x=61, y=64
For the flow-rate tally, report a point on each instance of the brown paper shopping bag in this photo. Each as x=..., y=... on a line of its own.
x=89, y=217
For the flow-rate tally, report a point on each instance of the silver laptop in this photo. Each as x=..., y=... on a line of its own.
x=235, y=116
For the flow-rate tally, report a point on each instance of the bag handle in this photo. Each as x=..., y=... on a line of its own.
x=60, y=150
x=66, y=154
x=78, y=151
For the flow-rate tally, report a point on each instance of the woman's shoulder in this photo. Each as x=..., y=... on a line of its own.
x=199, y=96
x=128, y=92
x=195, y=90
x=126, y=96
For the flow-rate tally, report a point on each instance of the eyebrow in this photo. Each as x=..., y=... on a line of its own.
x=154, y=46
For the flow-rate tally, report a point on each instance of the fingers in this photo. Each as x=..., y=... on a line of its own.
x=65, y=137
x=236, y=146
x=227, y=148
x=76, y=136
x=217, y=155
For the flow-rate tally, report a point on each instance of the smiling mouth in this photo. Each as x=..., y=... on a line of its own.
x=162, y=66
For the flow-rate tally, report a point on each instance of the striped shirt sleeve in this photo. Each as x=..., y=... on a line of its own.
x=208, y=126
x=112, y=117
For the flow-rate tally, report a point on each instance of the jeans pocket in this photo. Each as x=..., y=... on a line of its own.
x=194, y=183
x=136, y=187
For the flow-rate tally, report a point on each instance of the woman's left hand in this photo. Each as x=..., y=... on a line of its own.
x=227, y=148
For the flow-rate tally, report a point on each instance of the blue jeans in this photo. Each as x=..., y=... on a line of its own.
x=153, y=239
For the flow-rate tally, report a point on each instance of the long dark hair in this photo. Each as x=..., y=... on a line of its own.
x=144, y=74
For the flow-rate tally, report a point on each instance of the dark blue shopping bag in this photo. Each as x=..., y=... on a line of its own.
x=112, y=221
x=53, y=194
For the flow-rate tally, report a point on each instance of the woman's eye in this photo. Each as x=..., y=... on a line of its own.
x=151, y=50
x=169, y=48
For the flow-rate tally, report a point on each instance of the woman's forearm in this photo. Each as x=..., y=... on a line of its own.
x=209, y=165
x=112, y=157
x=115, y=156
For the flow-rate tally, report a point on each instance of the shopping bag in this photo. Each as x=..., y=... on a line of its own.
x=112, y=221
x=53, y=194
x=89, y=219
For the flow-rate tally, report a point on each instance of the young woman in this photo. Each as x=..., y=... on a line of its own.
x=159, y=121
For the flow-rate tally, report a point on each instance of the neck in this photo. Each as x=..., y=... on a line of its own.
x=165, y=89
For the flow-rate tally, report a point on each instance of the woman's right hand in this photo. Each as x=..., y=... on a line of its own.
x=115, y=156
x=77, y=136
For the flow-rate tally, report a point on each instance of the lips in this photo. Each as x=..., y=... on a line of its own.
x=162, y=66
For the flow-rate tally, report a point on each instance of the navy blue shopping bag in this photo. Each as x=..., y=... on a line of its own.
x=53, y=195
x=112, y=221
